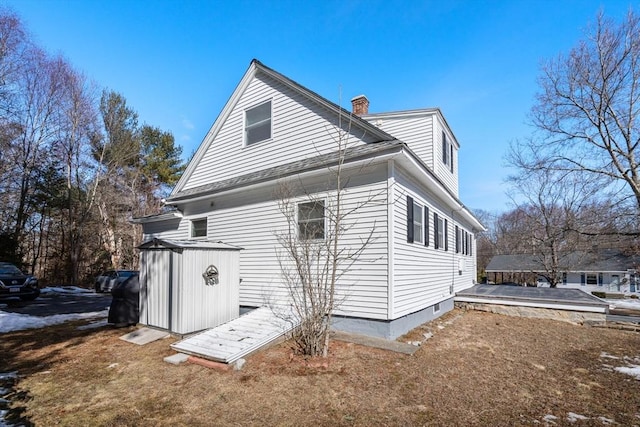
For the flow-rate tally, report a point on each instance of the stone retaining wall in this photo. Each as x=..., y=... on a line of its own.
x=575, y=317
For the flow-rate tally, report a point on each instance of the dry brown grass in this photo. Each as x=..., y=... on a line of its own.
x=478, y=369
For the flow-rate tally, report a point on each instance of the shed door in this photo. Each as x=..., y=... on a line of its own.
x=156, y=284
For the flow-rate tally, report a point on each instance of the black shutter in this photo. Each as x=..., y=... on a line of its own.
x=426, y=226
x=457, y=240
x=409, y=219
x=451, y=159
x=435, y=230
x=446, y=235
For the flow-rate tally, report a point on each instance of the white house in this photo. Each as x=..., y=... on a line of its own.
x=601, y=270
x=402, y=170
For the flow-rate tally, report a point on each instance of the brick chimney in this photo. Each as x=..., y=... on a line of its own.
x=360, y=105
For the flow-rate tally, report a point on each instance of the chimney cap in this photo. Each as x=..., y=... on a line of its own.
x=357, y=97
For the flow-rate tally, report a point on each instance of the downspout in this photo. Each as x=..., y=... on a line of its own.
x=391, y=172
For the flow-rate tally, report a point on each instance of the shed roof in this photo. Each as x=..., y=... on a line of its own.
x=156, y=243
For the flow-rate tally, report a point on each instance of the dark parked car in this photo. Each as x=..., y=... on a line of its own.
x=107, y=280
x=125, y=305
x=14, y=283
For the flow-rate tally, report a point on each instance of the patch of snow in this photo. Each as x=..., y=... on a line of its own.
x=633, y=370
x=607, y=421
x=52, y=290
x=606, y=355
x=93, y=325
x=550, y=419
x=16, y=322
x=572, y=417
x=630, y=303
x=8, y=375
x=113, y=365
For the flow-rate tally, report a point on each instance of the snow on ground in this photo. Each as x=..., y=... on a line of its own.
x=67, y=290
x=17, y=322
x=632, y=303
x=631, y=364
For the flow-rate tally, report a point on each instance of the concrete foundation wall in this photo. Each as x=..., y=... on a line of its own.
x=576, y=317
x=391, y=329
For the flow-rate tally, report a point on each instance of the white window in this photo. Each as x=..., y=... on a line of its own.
x=257, y=123
x=417, y=223
x=199, y=227
x=440, y=232
x=311, y=220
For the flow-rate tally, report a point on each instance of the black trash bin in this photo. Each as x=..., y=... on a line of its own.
x=125, y=306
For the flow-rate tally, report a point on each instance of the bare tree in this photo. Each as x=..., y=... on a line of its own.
x=314, y=254
x=587, y=112
x=550, y=207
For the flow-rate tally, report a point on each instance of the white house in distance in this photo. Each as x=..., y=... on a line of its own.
x=402, y=170
x=598, y=270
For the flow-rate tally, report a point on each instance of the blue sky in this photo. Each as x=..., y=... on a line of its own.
x=177, y=62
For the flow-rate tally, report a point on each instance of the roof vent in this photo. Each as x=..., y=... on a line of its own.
x=360, y=105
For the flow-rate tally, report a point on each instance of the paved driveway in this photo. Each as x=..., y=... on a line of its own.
x=51, y=303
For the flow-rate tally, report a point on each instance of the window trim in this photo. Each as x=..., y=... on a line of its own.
x=306, y=221
x=447, y=152
x=423, y=214
x=245, y=127
x=440, y=234
x=193, y=227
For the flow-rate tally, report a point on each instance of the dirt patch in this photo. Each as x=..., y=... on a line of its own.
x=474, y=369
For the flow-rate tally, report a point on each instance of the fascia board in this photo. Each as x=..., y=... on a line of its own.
x=371, y=129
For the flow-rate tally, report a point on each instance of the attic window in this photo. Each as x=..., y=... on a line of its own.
x=257, y=123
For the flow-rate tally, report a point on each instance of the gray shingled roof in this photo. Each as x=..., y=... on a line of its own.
x=595, y=261
x=318, y=162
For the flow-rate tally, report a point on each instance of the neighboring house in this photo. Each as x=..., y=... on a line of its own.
x=402, y=167
x=604, y=270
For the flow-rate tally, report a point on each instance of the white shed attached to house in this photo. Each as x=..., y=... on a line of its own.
x=188, y=286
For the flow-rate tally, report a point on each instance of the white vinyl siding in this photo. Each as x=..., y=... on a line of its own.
x=422, y=275
x=252, y=219
x=423, y=132
x=416, y=132
x=300, y=129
